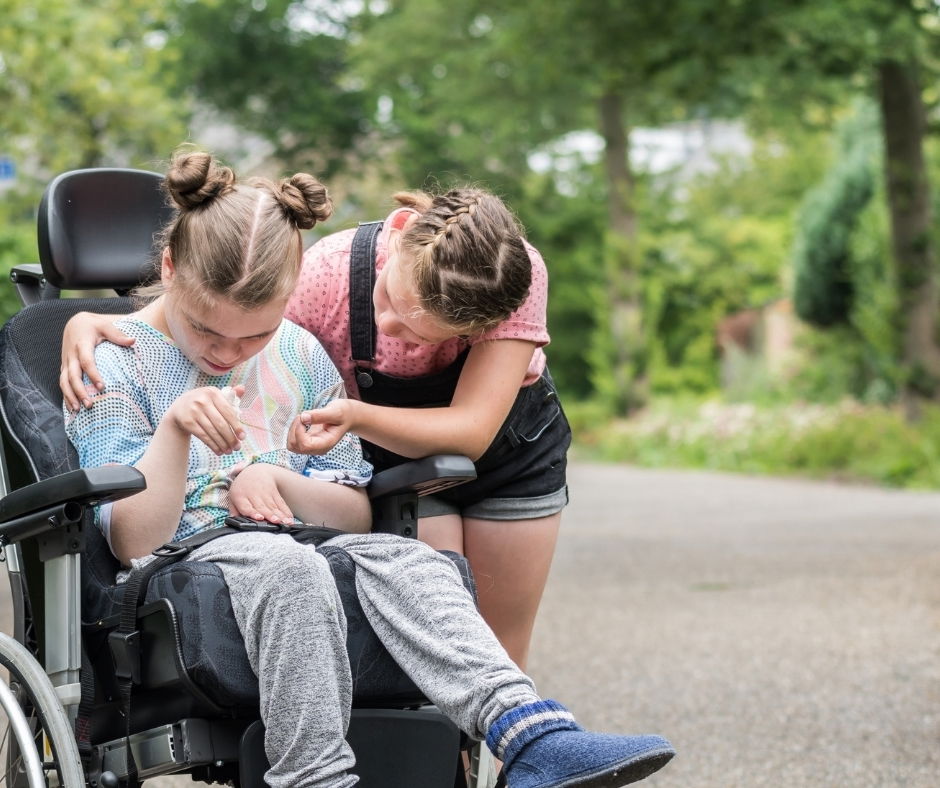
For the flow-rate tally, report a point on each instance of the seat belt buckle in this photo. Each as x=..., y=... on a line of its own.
x=246, y=524
x=125, y=653
x=171, y=550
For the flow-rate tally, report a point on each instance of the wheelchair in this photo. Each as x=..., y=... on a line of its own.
x=104, y=690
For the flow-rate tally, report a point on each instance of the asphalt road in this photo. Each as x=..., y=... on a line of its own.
x=780, y=633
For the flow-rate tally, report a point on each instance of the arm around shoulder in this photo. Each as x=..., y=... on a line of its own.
x=83, y=333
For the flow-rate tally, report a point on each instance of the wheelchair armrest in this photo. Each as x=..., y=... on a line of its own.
x=394, y=492
x=62, y=499
x=423, y=477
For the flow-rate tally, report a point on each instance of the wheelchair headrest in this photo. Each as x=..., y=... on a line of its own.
x=97, y=228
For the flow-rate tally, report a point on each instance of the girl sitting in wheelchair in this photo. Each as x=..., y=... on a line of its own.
x=203, y=404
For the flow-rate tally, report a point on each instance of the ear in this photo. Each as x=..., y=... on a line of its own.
x=167, y=270
x=395, y=233
x=394, y=238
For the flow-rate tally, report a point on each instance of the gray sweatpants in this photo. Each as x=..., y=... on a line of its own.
x=290, y=615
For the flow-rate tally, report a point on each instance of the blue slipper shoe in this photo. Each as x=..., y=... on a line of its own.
x=565, y=759
x=542, y=746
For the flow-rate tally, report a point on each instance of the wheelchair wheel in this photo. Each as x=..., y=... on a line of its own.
x=37, y=746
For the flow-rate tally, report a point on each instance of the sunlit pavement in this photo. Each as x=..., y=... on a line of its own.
x=780, y=633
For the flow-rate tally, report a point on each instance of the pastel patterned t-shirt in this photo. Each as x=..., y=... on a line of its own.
x=143, y=380
x=320, y=303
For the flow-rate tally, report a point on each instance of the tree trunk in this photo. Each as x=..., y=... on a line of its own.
x=623, y=383
x=903, y=120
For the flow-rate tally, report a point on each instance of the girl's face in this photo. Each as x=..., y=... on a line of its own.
x=398, y=312
x=219, y=337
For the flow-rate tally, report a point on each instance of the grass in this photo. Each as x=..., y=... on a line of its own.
x=847, y=441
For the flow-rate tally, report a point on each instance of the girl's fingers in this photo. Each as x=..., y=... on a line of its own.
x=73, y=385
x=69, y=395
x=111, y=333
x=216, y=432
x=271, y=508
x=257, y=511
x=83, y=360
x=302, y=442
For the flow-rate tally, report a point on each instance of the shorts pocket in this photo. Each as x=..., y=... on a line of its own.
x=535, y=411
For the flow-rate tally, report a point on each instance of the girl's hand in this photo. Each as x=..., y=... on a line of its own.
x=205, y=413
x=318, y=431
x=255, y=494
x=82, y=334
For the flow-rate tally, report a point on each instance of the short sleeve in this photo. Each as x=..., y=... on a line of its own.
x=116, y=429
x=529, y=321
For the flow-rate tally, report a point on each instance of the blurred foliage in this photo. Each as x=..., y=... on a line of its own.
x=716, y=246
x=568, y=231
x=846, y=441
x=81, y=85
x=17, y=246
x=278, y=68
x=382, y=95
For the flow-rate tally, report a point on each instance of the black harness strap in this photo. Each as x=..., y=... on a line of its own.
x=361, y=285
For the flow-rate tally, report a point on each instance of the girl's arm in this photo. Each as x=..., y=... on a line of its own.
x=488, y=386
x=83, y=332
x=274, y=493
x=149, y=519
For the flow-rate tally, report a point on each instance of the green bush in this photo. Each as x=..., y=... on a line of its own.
x=17, y=246
x=847, y=441
x=824, y=288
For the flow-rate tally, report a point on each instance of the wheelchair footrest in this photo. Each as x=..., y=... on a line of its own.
x=171, y=748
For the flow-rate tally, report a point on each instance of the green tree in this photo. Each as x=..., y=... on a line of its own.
x=811, y=55
x=278, y=68
x=824, y=286
x=81, y=85
x=477, y=85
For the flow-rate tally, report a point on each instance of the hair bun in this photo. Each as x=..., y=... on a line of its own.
x=304, y=199
x=194, y=178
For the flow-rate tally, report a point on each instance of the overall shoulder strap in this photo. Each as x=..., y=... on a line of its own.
x=361, y=285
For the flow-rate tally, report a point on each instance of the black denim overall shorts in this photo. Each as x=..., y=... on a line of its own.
x=528, y=456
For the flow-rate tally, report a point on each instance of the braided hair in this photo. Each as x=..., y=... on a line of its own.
x=467, y=257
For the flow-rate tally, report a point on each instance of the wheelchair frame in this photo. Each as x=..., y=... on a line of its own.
x=42, y=523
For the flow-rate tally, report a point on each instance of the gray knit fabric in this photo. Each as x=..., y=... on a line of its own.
x=289, y=612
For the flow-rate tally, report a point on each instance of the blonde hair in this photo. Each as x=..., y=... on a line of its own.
x=467, y=256
x=240, y=241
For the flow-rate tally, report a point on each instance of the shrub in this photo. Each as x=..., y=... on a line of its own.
x=847, y=441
